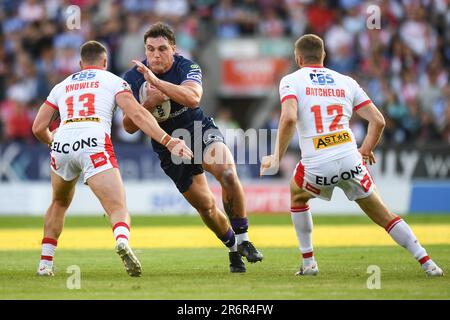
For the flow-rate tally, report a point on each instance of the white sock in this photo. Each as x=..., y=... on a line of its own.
x=303, y=224
x=427, y=264
x=48, y=252
x=403, y=235
x=121, y=232
x=233, y=248
x=242, y=237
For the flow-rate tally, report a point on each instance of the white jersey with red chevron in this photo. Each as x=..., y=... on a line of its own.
x=87, y=98
x=326, y=100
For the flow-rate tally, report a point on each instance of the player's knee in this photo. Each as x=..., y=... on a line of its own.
x=206, y=206
x=228, y=177
x=299, y=199
x=62, y=203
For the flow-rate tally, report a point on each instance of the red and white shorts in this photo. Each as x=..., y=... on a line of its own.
x=87, y=150
x=348, y=173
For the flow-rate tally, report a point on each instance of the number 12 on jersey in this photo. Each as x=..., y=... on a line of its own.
x=87, y=108
x=331, y=110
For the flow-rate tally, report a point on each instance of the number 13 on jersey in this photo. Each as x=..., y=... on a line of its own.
x=86, y=106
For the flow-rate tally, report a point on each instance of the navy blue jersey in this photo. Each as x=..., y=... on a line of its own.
x=180, y=116
x=182, y=70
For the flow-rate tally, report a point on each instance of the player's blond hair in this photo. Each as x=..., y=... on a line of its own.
x=311, y=48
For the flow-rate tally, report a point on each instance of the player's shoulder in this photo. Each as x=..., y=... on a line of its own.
x=181, y=60
x=183, y=63
x=64, y=82
x=187, y=69
x=291, y=76
x=294, y=79
x=110, y=75
x=343, y=77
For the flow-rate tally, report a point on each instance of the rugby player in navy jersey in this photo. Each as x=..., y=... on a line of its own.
x=171, y=86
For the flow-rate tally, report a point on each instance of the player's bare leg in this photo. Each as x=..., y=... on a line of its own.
x=62, y=196
x=399, y=230
x=219, y=161
x=202, y=199
x=108, y=188
x=303, y=224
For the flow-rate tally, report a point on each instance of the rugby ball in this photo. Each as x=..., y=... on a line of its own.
x=161, y=112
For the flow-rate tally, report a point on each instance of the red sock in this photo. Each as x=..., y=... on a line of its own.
x=121, y=232
x=48, y=249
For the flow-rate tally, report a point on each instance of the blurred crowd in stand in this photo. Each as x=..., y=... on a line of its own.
x=403, y=65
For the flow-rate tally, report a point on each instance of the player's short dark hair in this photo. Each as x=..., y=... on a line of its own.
x=92, y=51
x=310, y=47
x=160, y=29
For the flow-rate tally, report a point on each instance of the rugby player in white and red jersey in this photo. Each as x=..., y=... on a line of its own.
x=320, y=102
x=85, y=102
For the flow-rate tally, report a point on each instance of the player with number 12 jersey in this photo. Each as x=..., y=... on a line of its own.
x=326, y=100
x=320, y=102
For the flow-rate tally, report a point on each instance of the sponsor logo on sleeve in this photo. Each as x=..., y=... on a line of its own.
x=194, y=75
x=126, y=86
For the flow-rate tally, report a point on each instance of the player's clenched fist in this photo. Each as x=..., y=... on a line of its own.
x=269, y=164
x=179, y=148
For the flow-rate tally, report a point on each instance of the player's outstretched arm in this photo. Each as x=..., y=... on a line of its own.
x=374, y=131
x=141, y=118
x=154, y=98
x=129, y=125
x=43, y=119
x=187, y=94
x=286, y=129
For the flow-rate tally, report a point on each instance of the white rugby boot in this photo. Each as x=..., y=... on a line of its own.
x=309, y=270
x=432, y=269
x=129, y=259
x=45, y=271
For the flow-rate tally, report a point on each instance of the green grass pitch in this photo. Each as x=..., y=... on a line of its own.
x=196, y=273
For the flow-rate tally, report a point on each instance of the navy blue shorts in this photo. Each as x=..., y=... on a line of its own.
x=181, y=174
